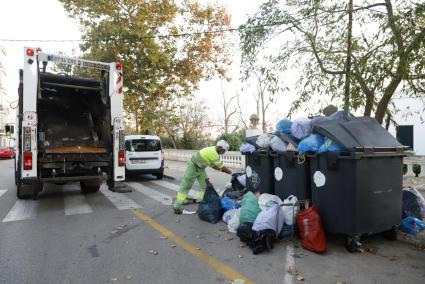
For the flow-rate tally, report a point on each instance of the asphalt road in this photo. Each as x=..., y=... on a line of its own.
x=67, y=237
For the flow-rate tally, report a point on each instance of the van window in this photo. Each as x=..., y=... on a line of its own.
x=143, y=145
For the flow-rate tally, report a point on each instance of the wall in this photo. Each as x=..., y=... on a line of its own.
x=411, y=111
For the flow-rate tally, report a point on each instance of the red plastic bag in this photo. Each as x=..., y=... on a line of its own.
x=311, y=230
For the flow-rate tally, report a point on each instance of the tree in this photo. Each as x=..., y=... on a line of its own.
x=166, y=48
x=268, y=86
x=387, y=50
x=228, y=111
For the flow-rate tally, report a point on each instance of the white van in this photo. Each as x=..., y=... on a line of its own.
x=144, y=155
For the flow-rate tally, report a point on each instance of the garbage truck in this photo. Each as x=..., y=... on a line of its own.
x=68, y=128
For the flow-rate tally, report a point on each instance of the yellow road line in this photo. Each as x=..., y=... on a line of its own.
x=220, y=267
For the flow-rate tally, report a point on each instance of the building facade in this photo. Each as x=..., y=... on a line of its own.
x=410, y=124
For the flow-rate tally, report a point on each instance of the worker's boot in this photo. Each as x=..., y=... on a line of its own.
x=177, y=207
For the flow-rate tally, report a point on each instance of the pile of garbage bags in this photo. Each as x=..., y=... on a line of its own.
x=257, y=219
x=298, y=135
x=413, y=212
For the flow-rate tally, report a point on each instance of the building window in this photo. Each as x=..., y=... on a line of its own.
x=405, y=135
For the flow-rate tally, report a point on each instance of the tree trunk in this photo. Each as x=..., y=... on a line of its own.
x=263, y=113
x=137, y=121
x=348, y=61
x=383, y=104
x=369, y=104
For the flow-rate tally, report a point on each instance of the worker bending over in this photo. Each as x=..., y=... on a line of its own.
x=208, y=156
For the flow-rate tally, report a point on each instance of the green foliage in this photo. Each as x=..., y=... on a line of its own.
x=311, y=36
x=416, y=169
x=158, y=69
x=234, y=140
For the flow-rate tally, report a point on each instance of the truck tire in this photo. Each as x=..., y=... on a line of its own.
x=89, y=186
x=28, y=190
x=159, y=176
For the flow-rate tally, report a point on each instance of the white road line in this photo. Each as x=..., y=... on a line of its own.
x=151, y=193
x=290, y=264
x=76, y=204
x=192, y=193
x=2, y=191
x=22, y=210
x=120, y=201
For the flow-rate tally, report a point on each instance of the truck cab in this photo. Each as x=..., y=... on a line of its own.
x=69, y=128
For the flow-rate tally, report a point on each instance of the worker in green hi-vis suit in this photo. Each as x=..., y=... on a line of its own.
x=208, y=156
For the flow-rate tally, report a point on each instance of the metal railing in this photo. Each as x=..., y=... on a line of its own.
x=235, y=159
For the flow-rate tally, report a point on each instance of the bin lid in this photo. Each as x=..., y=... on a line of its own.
x=358, y=134
x=288, y=138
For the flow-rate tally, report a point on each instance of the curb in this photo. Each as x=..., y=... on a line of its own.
x=418, y=241
x=169, y=177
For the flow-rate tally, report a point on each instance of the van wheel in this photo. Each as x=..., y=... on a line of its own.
x=89, y=186
x=159, y=176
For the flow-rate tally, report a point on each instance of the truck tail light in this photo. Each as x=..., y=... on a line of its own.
x=121, y=158
x=27, y=161
x=119, y=66
x=30, y=52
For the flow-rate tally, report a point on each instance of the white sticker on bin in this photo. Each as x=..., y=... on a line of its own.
x=319, y=179
x=248, y=171
x=278, y=173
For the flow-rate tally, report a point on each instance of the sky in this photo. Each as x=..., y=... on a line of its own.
x=28, y=19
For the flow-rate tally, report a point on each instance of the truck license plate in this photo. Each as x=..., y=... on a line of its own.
x=139, y=161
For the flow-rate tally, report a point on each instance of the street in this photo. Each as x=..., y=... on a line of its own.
x=106, y=237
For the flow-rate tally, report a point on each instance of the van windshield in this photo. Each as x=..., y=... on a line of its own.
x=143, y=145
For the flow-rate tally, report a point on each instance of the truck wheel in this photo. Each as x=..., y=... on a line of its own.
x=25, y=191
x=159, y=176
x=89, y=186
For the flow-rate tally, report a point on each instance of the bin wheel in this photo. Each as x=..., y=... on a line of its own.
x=352, y=244
x=391, y=234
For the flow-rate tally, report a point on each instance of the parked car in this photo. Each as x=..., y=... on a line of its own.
x=7, y=153
x=144, y=155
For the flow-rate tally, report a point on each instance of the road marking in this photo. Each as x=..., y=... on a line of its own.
x=76, y=204
x=151, y=193
x=192, y=193
x=120, y=201
x=22, y=210
x=220, y=267
x=2, y=191
x=290, y=264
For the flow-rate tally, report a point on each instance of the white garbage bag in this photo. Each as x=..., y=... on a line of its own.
x=272, y=218
x=264, y=140
x=242, y=180
x=301, y=128
x=291, y=209
x=267, y=200
x=277, y=144
x=233, y=223
x=228, y=215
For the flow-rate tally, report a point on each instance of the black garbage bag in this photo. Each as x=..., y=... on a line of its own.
x=411, y=205
x=258, y=241
x=210, y=208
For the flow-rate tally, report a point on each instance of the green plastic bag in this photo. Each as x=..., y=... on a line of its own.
x=249, y=209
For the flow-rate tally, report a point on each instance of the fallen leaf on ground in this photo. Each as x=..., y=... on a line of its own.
x=393, y=258
x=129, y=277
x=228, y=239
x=122, y=226
x=114, y=232
x=152, y=251
x=198, y=248
x=173, y=246
x=300, y=278
x=240, y=256
x=163, y=238
x=372, y=249
x=114, y=279
x=292, y=271
x=339, y=282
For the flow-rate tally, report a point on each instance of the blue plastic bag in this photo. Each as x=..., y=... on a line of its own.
x=228, y=203
x=412, y=225
x=311, y=144
x=210, y=208
x=284, y=126
x=301, y=128
x=330, y=146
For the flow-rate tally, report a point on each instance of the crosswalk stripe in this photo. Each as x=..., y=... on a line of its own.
x=2, y=191
x=151, y=193
x=120, y=201
x=76, y=204
x=22, y=210
x=192, y=193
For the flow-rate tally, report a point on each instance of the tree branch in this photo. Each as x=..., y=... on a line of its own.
x=393, y=26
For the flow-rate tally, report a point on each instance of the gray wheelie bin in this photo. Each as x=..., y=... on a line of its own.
x=259, y=171
x=358, y=191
